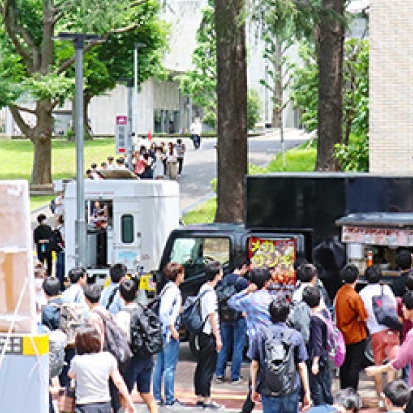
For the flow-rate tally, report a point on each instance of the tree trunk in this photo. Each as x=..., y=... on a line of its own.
x=87, y=127
x=330, y=102
x=232, y=109
x=278, y=87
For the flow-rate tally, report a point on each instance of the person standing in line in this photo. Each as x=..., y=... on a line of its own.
x=196, y=130
x=233, y=331
x=351, y=318
x=60, y=253
x=139, y=369
x=384, y=341
x=180, y=150
x=318, y=362
x=167, y=359
x=41, y=237
x=91, y=368
x=345, y=401
x=110, y=298
x=210, y=342
x=110, y=165
x=284, y=403
x=404, y=263
x=158, y=165
x=254, y=301
x=171, y=161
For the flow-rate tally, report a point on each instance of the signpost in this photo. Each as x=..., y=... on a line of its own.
x=122, y=134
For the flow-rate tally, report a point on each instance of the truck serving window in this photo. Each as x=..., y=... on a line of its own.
x=194, y=253
x=127, y=229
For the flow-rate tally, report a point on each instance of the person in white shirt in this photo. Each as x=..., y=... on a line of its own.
x=167, y=359
x=91, y=369
x=210, y=338
x=384, y=341
x=171, y=161
x=196, y=130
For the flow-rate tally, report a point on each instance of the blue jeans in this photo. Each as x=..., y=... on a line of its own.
x=320, y=385
x=165, y=366
x=285, y=404
x=233, y=338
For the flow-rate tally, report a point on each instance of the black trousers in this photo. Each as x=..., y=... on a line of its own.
x=180, y=164
x=205, y=368
x=354, y=362
x=409, y=408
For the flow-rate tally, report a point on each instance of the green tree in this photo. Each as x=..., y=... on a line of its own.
x=39, y=70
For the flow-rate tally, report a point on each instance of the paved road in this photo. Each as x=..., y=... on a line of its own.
x=200, y=165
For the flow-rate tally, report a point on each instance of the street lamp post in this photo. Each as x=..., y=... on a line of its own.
x=79, y=40
x=135, y=86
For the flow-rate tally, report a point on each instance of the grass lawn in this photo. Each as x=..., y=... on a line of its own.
x=16, y=159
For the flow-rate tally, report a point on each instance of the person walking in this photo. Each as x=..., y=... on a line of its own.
x=210, y=342
x=167, y=359
x=196, y=130
x=110, y=298
x=91, y=368
x=254, y=301
x=351, y=318
x=180, y=150
x=41, y=237
x=171, y=161
x=233, y=327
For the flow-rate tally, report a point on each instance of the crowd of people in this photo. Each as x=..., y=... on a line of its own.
x=154, y=162
x=301, y=376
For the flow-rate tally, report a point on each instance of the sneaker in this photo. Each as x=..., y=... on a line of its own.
x=200, y=404
x=381, y=404
x=176, y=403
x=238, y=381
x=219, y=380
x=159, y=402
x=213, y=406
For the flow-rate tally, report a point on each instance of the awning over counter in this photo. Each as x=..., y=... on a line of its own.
x=389, y=228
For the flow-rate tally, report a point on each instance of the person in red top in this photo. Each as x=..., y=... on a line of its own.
x=351, y=317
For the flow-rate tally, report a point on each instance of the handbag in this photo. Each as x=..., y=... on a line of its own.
x=66, y=403
x=385, y=311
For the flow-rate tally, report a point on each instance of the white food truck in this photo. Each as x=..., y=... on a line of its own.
x=128, y=221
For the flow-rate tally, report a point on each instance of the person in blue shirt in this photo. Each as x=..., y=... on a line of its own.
x=288, y=402
x=396, y=396
x=169, y=314
x=111, y=298
x=345, y=401
x=51, y=311
x=233, y=329
x=254, y=301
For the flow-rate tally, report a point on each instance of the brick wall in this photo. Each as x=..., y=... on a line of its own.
x=391, y=86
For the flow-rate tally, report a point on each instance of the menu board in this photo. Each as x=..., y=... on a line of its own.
x=276, y=253
x=377, y=236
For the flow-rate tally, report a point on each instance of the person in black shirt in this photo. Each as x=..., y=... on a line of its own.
x=404, y=263
x=41, y=236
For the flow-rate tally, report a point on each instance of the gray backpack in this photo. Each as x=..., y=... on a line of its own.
x=300, y=319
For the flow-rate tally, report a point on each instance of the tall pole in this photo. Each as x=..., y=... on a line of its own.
x=130, y=137
x=80, y=225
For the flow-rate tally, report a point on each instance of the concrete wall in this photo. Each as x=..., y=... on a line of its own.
x=391, y=86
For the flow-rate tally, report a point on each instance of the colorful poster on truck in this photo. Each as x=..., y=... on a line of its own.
x=277, y=253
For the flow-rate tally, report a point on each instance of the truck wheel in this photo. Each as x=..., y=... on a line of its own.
x=194, y=345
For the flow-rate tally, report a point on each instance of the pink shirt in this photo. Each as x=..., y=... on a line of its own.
x=405, y=356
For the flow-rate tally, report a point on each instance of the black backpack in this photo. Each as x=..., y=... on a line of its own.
x=56, y=242
x=278, y=368
x=145, y=331
x=224, y=292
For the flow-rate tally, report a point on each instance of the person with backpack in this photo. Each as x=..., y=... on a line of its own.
x=139, y=369
x=278, y=363
x=110, y=298
x=210, y=342
x=318, y=364
x=351, y=318
x=167, y=358
x=384, y=340
x=254, y=301
x=50, y=315
x=233, y=324
x=180, y=150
